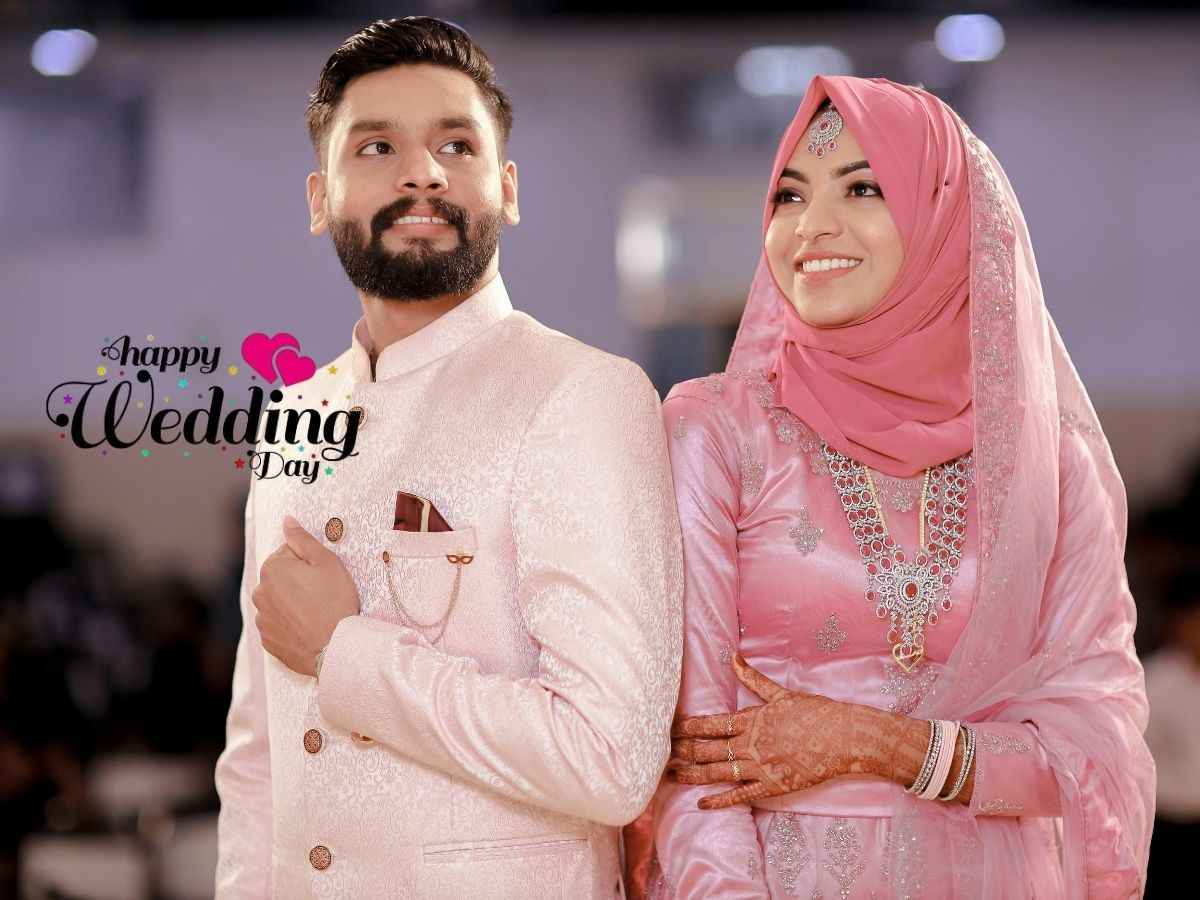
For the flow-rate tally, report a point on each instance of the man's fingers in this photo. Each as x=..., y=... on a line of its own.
x=303, y=544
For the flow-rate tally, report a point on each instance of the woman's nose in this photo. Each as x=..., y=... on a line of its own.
x=820, y=218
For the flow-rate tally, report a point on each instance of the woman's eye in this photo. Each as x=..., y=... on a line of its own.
x=375, y=146
x=461, y=147
x=787, y=195
x=859, y=186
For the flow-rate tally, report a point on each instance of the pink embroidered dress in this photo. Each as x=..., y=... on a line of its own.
x=1035, y=649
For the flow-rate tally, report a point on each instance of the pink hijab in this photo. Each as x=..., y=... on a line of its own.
x=922, y=378
x=893, y=388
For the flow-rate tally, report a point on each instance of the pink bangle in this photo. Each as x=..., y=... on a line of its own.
x=945, y=758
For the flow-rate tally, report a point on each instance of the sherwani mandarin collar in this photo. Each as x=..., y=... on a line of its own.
x=468, y=320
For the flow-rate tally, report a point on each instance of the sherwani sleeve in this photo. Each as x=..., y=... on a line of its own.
x=1086, y=719
x=706, y=853
x=600, y=587
x=243, y=772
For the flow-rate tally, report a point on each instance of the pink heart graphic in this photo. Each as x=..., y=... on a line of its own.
x=293, y=367
x=258, y=349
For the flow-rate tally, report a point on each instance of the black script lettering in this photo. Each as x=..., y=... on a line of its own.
x=333, y=454
x=112, y=352
x=293, y=425
x=270, y=435
x=253, y=414
x=206, y=366
x=75, y=420
x=271, y=464
x=112, y=418
x=158, y=425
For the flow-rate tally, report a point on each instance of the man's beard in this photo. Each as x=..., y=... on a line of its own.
x=422, y=272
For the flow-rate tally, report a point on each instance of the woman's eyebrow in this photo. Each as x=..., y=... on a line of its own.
x=835, y=174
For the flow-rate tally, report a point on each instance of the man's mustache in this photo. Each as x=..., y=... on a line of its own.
x=455, y=215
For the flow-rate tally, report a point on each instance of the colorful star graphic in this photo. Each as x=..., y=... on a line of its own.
x=101, y=371
x=182, y=382
x=150, y=338
x=333, y=370
x=324, y=402
x=145, y=453
x=67, y=398
x=329, y=470
x=232, y=370
x=239, y=463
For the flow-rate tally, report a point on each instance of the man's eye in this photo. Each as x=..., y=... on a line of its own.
x=374, y=149
x=460, y=147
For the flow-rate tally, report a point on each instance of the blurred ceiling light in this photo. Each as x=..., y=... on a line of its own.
x=971, y=38
x=63, y=52
x=642, y=251
x=773, y=71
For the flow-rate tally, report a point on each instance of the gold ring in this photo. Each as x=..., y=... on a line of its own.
x=729, y=750
x=729, y=726
x=737, y=771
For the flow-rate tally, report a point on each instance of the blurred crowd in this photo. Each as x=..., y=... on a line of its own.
x=114, y=689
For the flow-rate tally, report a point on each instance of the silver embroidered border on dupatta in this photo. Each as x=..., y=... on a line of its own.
x=1024, y=383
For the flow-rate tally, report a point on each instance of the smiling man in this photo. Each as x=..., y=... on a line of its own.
x=460, y=656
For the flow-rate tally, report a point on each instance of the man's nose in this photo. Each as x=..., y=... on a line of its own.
x=419, y=171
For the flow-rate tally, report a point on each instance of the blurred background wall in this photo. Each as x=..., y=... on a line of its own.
x=160, y=190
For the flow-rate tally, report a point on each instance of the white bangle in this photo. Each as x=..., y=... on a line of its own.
x=945, y=756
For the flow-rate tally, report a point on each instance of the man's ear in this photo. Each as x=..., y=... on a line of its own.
x=318, y=214
x=508, y=193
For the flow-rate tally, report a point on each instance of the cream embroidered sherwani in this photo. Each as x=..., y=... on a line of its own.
x=499, y=760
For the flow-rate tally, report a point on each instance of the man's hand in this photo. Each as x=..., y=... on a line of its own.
x=303, y=592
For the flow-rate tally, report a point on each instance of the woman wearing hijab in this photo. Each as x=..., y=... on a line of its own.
x=909, y=667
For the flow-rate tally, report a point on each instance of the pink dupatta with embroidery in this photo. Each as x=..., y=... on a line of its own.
x=1050, y=638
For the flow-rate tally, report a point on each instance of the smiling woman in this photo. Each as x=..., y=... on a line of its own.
x=833, y=246
x=876, y=702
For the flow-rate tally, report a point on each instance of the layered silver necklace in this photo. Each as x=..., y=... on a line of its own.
x=909, y=593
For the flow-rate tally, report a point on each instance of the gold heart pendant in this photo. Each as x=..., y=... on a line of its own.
x=903, y=659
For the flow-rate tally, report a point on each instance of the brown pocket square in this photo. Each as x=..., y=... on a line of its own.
x=415, y=513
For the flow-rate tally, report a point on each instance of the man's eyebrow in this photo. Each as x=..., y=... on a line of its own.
x=454, y=123
x=839, y=172
x=447, y=123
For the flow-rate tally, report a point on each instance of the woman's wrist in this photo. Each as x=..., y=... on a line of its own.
x=887, y=745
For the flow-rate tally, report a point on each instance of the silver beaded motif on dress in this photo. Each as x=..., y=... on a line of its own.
x=845, y=861
x=830, y=636
x=787, y=851
x=805, y=533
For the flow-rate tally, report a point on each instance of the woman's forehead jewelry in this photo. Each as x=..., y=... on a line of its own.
x=822, y=134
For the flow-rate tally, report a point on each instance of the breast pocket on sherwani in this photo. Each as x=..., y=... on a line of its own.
x=424, y=574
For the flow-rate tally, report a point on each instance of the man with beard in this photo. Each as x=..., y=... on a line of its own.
x=460, y=653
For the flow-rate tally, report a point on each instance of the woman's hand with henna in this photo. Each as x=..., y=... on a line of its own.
x=793, y=741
